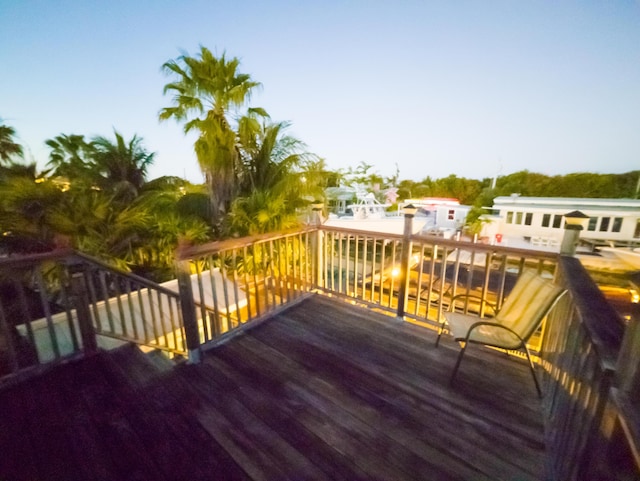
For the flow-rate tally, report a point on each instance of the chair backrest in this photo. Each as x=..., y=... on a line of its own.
x=528, y=303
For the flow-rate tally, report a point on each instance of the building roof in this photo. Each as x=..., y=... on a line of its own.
x=568, y=203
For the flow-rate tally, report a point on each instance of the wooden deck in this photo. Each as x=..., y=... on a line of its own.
x=323, y=391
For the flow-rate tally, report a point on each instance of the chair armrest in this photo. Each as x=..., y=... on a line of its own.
x=486, y=336
x=471, y=296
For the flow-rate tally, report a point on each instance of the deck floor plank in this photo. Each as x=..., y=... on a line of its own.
x=312, y=400
x=322, y=391
x=411, y=405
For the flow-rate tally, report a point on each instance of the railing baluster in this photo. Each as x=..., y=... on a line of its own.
x=247, y=259
x=366, y=268
x=118, y=299
x=217, y=321
x=81, y=304
x=106, y=297
x=47, y=312
x=443, y=277
x=201, y=293
x=134, y=324
x=9, y=350
x=93, y=299
x=154, y=318
x=235, y=278
x=68, y=307
x=143, y=314
x=26, y=317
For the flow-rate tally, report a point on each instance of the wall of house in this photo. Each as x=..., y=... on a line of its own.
x=547, y=224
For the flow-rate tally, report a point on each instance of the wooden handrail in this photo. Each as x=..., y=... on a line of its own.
x=189, y=252
x=582, y=344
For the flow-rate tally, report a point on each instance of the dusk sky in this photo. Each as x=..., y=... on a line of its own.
x=471, y=88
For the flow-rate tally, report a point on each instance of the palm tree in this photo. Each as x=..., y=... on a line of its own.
x=206, y=91
x=70, y=157
x=26, y=207
x=8, y=146
x=121, y=166
x=274, y=186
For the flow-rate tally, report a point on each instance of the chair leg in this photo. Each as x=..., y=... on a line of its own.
x=440, y=331
x=533, y=372
x=455, y=369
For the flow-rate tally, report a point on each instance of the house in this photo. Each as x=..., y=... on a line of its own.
x=540, y=220
x=445, y=216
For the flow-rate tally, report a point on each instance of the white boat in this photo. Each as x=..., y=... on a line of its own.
x=629, y=256
x=368, y=207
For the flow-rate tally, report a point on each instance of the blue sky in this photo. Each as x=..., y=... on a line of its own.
x=470, y=88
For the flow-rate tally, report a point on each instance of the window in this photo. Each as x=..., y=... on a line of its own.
x=636, y=233
x=519, y=218
x=617, y=224
x=528, y=218
x=557, y=221
x=604, y=224
x=509, y=217
x=546, y=220
x=451, y=215
x=593, y=221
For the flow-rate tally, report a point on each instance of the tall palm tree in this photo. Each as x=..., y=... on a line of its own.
x=207, y=90
x=8, y=146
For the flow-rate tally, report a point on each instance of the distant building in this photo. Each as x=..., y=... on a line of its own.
x=445, y=215
x=540, y=220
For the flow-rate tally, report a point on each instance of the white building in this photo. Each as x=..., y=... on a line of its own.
x=444, y=215
x=540, y=220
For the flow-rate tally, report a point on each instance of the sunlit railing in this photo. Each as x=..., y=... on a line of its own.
x=375, y=269
x=235, y=282
x=238, y=281
x=591, y=384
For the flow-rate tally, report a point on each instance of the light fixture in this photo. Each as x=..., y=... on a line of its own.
x=575, y=220
x=409, y=209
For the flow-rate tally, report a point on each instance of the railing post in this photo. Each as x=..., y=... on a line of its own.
x=188, y=308
x=574, y=224
x=6, y=338
x=81, y=305
x=403, y=291
x=318, y=246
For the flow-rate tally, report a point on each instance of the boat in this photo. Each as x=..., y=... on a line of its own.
x=367, y=207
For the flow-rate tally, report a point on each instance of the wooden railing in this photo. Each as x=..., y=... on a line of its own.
x=62, y=304
x=237, y=282
x=591, y=386
x=416, y=277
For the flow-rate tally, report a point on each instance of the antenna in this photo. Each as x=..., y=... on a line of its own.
x=495, y=177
